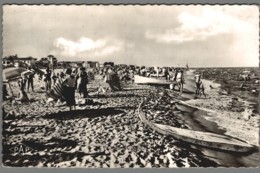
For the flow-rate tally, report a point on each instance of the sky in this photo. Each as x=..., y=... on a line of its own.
x=159, y=35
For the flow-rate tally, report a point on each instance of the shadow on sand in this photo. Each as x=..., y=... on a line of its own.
x=87, y=113
x=114, y=95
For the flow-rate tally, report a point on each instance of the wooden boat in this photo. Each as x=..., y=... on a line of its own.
x=184, y=108
x=206, y=139
x=181, y=105
x=150, y=80
x=189, y=84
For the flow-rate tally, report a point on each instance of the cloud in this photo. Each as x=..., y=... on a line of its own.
x=213, y=35
x=107, y=51
x=199, y=26
x=72, y=48
x=88, y=47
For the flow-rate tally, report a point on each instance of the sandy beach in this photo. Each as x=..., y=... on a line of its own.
x=130, y=86
x=106, y=132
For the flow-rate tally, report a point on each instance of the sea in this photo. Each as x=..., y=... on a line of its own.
x=230, y=81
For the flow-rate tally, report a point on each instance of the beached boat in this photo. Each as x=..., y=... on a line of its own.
x=189, y=84
x=150, y=80
x=206, y=139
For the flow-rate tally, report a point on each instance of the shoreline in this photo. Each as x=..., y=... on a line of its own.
x=216, y=105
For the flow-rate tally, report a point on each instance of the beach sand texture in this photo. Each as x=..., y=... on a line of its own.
x=108, y=133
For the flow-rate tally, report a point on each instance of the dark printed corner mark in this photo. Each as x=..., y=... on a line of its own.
x=21, y=149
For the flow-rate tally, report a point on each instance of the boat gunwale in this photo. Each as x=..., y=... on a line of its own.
x=200, y=142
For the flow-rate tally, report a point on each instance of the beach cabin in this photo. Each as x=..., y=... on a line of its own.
x=92, y=64
x=30, y=61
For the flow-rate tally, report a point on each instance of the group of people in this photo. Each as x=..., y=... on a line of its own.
x=173, y=74
x=169, y=74
x=71, y=81
x=112, y=75
x=76, y=80
x=25, y=83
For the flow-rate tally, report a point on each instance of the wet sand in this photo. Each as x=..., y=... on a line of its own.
x=231, y=113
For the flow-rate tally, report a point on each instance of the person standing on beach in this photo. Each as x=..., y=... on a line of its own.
x=54, y=78
x=5, y=92
x=22, y=85
x=143, y=71
x=157, y=71
x=82, y=82
x=175, y=74
x=171, y=75
x=47, y=79
x=69, y=89
x=197, y=82
x=199, y=85
x=180, y=80
x=62, y=75
x=113, y=80
x=165, y=73
x=30, y=80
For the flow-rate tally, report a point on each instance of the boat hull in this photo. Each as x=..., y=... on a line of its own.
x=189, y=84
x=150, y=80
x=206, y=139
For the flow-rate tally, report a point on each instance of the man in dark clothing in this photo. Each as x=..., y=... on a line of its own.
x=54, y=78
x=82, y=81
x=48, y=79
x=30, y=81
x=5, y=92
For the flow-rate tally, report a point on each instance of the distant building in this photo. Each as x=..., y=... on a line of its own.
x=92, y=64
x=122, y=65
x=15, y=61
x=49, y=61
x=30, y=61
x=44, y=60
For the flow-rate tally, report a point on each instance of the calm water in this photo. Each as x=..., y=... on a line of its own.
x=230, y=81
x=196, y=121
